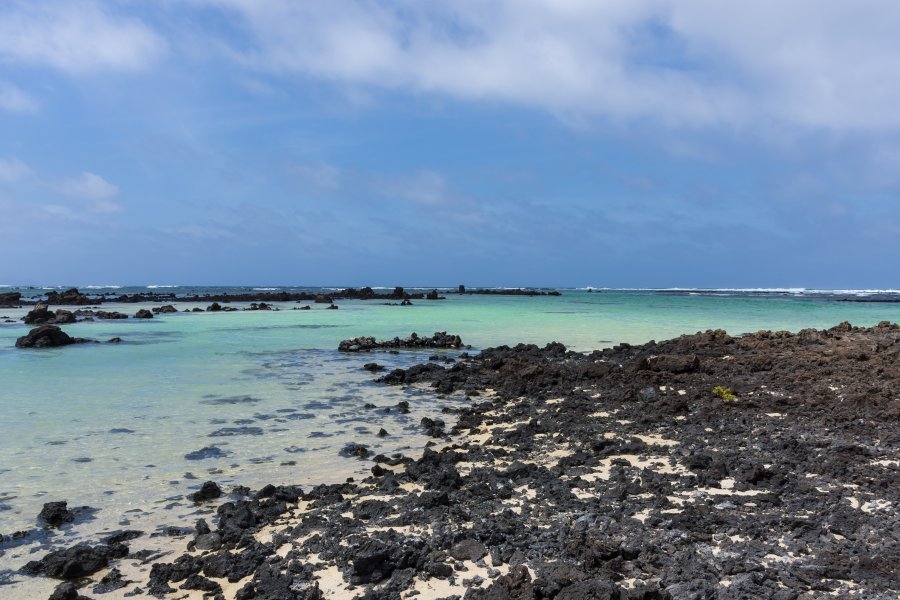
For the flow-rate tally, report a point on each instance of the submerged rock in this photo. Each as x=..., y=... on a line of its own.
x=354, y=449
x=104, y=314
x=205, y=452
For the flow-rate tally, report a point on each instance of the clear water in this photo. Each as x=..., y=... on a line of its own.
x=109, y=425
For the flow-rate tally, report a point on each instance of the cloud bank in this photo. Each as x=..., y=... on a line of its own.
x=692, y=62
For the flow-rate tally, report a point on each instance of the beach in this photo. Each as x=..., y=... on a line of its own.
x=523, y=471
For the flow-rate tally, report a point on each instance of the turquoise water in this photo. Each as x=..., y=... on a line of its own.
x=109, y=425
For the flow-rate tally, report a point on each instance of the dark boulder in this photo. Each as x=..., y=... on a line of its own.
x=376, y=559
x=10, y=299
x=41, y=315
x=468, y=549
x=70, y=297
x=66, y=591
x=143, y=314
x=62, y=317
x=75, y=562
x=214, y=307
x=38, y=315
x=47, y=336
x=111, y=582
x=210, y=490
x=168, y=308
x=54, y=514
x=209, y=542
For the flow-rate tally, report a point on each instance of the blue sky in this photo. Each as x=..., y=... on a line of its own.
x=514, y=142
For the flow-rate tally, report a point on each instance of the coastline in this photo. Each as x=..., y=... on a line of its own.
x=617, y=472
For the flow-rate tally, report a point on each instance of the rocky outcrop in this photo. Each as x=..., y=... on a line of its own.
x=47, y=336
x=143, y=314
x=70, y=297
x=440, y=339
x=508, y=292
x=168, y=308
x=10, y=299
x=76, y=562
x=42, y=315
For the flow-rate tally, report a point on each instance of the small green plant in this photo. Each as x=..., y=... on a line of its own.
x=724, y=393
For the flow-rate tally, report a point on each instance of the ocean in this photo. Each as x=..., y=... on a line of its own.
x=114, y=426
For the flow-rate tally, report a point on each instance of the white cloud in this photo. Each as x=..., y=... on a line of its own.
x=423, y=187
x=202, y=232
x=13, y=170
x=15, y=100
x=88, y=186
x=321, y=177
x=93, y=188
x=75, y=36
x=807, y=63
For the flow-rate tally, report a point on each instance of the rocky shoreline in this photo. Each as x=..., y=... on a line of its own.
x=761, y=466
x=74, y=297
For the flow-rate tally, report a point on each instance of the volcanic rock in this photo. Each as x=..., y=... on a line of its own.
x=364, y=344
x=70, y=296
x=75, y=562
x=10, y=299
x=54, y=514
x=210, y=490
x=47, y=336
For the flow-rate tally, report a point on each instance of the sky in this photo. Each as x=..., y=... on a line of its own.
x=616, y=143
